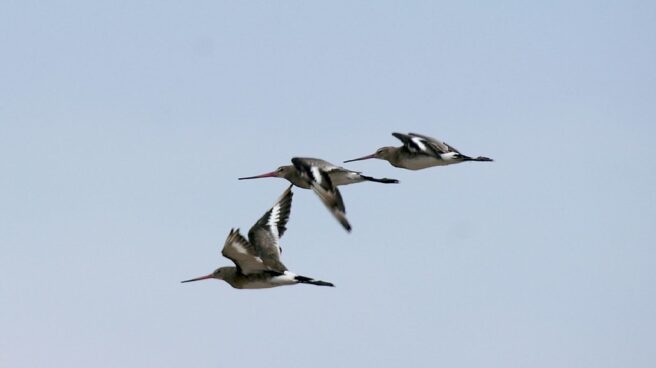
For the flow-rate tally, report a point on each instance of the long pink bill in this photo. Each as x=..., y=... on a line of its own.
x=199, y=278
x=373, y=155
x=267, y=175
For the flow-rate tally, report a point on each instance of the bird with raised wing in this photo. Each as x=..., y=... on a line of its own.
x=257, y=260
x=308, y=173
x=420, y=152
x=338, y=175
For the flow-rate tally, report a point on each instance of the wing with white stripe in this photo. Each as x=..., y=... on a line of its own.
x=262, y=252
x=417, y=145
x=322, y=185
x=322, y=164
x=243, y=254
x=267, y=231
x=314, y=174
x=438, y=144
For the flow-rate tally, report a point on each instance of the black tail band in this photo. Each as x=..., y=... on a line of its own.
x=382, y=180
x=307, y=280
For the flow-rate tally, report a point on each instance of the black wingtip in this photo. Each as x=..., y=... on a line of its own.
x=344, y=222
x=381, y=180
x=287, y=192
x=322, y=283
x=311, y=281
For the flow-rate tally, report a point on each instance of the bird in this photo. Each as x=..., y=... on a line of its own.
x=338, y=175
x=322, y=177
x=420, y=152
x=257, y=260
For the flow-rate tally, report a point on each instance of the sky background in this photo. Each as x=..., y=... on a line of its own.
x=124, y=125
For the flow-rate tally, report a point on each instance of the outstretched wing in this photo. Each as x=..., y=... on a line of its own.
x=328, y=167
x=421, y=144
x=323, y=164
x=242, y=253
x=441, y=145
x=322, y=185
x=267, y=231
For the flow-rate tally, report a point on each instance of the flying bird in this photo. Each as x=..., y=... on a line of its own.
x=323, y=178
x=420, y=152
x=338, y=175
x=257, y=260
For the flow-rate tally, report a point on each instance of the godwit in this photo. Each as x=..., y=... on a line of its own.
x=322, y=177
x=338, y=175
x=419, y=152
x=257, y=259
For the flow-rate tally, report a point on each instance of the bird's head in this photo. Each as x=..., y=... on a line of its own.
x=218, y=274
x=281, y=172
x=383, y=153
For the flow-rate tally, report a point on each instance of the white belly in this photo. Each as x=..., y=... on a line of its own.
x=287, y=278
x=345, y=178
x=423, y=161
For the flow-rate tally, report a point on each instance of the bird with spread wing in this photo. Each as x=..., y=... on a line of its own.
x=420, y=152
x=323, y=178
x=257, y=259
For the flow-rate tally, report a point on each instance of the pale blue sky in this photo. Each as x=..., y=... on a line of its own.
x=124, y=125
